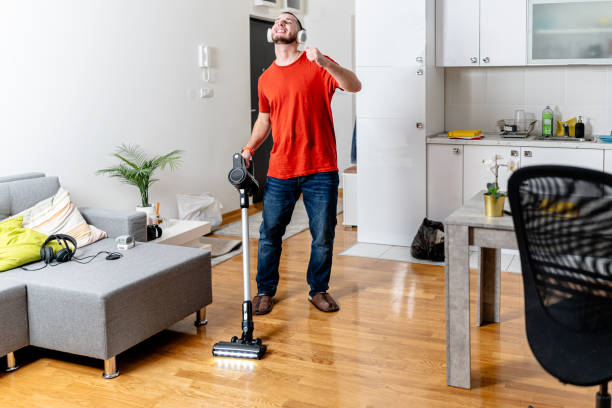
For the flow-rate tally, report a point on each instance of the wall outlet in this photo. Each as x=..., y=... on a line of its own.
x=206, y=93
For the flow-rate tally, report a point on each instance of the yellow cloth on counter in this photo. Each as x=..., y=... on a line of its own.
x=464, y=133
x=572, y=127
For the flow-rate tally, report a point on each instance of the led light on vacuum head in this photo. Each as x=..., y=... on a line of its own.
x=239, y=350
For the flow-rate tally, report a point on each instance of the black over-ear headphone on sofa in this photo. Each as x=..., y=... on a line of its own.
x=63, y=255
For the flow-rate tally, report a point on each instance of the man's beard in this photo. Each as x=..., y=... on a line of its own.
x=277, y=39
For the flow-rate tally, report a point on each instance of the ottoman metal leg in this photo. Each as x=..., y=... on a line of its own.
x=200, y=318
x=110, y=369
x=11, y=365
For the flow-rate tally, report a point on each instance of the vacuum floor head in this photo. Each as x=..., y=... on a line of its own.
x=239, y=350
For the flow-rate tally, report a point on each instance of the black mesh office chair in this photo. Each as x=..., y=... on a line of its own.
x=563, y=221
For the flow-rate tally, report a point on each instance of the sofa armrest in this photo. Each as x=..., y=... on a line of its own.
x=117, y=222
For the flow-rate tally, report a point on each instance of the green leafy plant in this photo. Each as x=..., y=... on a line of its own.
x=493, y=190
x=137, y=169
x=493, y=166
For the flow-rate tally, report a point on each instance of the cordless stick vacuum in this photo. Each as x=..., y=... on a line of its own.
x=246, y=346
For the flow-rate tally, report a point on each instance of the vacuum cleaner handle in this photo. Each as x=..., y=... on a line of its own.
x=241, y=177
x=240, y=162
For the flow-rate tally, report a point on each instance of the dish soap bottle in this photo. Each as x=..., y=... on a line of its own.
x=579, y=130
x=547, y=122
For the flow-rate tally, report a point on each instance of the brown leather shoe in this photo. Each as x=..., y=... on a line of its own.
x=324, y=302
x=262, y=304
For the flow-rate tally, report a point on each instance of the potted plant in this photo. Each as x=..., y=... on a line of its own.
x=137, y=169
x=493, y=198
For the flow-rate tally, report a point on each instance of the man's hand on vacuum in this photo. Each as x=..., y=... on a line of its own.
x=246, y=155
x=314, y=55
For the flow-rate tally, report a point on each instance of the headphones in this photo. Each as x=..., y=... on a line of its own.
x=63, y=255
x=301, y=35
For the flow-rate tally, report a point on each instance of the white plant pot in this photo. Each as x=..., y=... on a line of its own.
x=150, y=211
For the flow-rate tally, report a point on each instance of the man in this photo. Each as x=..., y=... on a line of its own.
x=295, y=95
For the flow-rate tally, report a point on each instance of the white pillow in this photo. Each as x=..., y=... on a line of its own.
x=58, y=215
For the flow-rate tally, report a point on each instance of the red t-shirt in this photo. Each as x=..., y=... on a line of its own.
x=298, y=97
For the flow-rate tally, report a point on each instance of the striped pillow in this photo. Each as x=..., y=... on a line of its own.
x=59, y=215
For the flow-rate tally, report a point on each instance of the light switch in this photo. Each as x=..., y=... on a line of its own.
x=206, y=93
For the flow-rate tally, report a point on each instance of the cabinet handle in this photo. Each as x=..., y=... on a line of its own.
x=419, y=71
x=527, y=153
x=486, y=60
x=514, y=153
x=419, y=59
x=473, y=60
x=456, y=150
x=420, y=125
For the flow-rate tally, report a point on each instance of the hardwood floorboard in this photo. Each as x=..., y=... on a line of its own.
x=385, y=348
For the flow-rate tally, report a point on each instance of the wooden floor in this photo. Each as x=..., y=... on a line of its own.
x=385, y=348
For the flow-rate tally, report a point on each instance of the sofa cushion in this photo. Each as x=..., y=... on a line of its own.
x=13, y=316
x=22, y=176
x=102, y=308
x=25, y=193
x=59, y=215
x=19, y=246
x=5, y=201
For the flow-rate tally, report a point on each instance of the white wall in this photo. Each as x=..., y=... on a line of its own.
x=78, y=78
x=475, y=98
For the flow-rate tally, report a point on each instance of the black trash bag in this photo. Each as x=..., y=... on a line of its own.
x=428, y=243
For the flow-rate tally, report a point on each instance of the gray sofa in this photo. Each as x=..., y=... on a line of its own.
x=101, y=308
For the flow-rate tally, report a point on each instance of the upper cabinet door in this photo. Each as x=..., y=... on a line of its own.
x=503, y=32
x=381, y=25
x=564, y=32
x=457, y=28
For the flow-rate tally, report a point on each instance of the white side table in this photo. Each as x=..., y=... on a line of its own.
x=178, y=232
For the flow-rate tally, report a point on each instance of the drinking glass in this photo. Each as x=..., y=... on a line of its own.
x=519, y=120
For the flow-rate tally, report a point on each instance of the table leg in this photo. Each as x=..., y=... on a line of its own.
x=489, y=275
x=457, y=279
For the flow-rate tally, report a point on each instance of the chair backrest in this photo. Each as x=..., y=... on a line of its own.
x=563, y=221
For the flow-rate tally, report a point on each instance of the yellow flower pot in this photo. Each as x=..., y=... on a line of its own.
x=494, y=207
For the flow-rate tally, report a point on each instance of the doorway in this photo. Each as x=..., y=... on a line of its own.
x=262, y=55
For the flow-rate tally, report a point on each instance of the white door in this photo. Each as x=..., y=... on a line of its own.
x=608, y=161
x=503, y=32
x=444, y=180
x=588, y=158
x=476, y=175
x=457, y=33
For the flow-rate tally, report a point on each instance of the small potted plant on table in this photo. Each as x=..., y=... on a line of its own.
x=493, y=197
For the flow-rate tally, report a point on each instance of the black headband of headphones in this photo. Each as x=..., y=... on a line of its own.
x=63, y=238
x=297, y=19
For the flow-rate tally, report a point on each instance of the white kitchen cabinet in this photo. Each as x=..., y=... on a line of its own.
x=457, y=33
x=444, y=180
x=349, y=196
x=476, y=175
x=481, y=33
x=589, y=158
x=563, y=32
x=401, y=102
x=608, y=161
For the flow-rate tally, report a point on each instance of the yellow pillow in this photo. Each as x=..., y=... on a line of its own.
x=19, y=246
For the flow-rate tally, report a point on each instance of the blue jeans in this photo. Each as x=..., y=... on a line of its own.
x=320, y=192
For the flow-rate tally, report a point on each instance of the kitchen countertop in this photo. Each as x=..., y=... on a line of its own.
x=531, y=141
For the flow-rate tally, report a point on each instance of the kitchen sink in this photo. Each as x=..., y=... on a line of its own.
x=567, y=139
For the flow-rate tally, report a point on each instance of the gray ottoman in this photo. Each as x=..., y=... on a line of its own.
x=102, y=308
x=13, y=320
